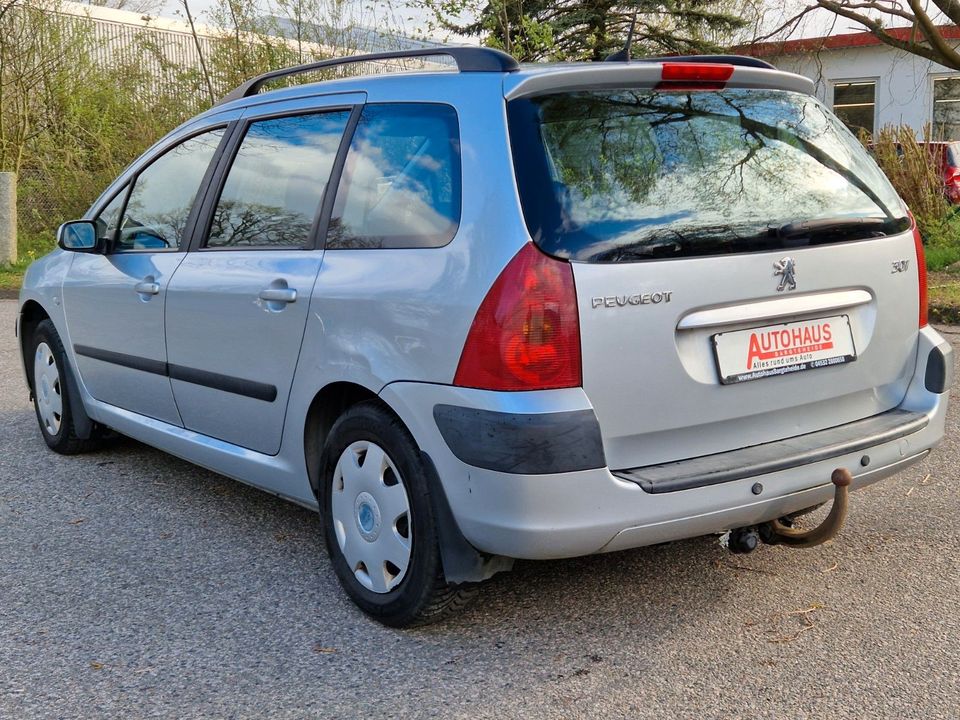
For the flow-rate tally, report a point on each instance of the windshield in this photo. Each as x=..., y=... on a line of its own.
x=627, y=175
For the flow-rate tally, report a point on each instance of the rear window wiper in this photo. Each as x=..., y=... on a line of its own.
x=868, y=226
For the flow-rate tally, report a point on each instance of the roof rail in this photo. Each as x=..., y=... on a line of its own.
x=741, y=60
x=468, y=59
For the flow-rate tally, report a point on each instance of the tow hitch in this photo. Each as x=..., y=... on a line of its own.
x=778, y=532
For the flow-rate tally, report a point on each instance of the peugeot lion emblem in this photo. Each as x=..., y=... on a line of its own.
x=786, y=268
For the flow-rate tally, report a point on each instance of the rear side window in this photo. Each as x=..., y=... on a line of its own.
x=630, y=175
x=273, y=190
x=400, y=186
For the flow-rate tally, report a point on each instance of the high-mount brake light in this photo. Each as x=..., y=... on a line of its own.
x=921, y=271
x=526, y=334
x=694, y=76
x=696, y=72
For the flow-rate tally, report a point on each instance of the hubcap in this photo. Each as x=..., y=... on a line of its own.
x=47, y=389
x=371, y=516
x=368, y=516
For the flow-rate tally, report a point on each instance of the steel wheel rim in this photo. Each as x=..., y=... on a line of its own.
x=47, y=389
x=371, y=516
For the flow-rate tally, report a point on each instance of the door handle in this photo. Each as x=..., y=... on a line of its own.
x=278, y=295
x=147, y=288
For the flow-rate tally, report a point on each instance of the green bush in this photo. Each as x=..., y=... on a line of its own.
x=941, y=241
x=915, y=174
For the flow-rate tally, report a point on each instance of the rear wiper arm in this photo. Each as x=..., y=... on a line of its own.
x=839, y=224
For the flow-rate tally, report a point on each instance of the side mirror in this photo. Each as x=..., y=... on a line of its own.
x=79, y=236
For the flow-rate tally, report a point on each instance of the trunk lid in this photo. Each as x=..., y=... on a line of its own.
x=650, y=369
x=690, y=215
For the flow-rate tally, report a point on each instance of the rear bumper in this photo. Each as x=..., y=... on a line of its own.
x=563, y=514
x=790, y=454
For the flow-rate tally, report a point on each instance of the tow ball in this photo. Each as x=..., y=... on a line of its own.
x=779, y=532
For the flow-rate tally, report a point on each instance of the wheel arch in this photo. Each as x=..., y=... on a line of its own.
x=32, y=313
x=329, y=403
x=462, y=563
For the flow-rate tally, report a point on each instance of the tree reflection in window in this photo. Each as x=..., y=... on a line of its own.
x=163, y=195
x=275, y=185
x=637, y=174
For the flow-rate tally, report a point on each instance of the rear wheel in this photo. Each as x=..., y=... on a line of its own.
x=48, y=364
x=378, y=520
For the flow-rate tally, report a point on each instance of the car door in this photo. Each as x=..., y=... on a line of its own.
x=237, y=306
x=114, y=302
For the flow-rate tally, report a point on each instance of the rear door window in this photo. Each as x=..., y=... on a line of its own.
x=400, y=186
x=629, y=175
x=273, y=190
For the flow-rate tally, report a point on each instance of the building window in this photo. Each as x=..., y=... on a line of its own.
x=854, y=103
x=946, y=108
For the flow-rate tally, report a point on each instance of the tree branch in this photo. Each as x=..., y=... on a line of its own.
x=950, y=59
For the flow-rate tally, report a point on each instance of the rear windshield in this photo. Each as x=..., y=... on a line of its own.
x=630, y=175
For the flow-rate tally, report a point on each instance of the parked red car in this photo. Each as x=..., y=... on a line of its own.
x=947, y=154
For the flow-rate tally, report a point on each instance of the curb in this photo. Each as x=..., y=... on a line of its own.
x=9, y=294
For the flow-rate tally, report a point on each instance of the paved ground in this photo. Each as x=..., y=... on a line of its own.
x=135, y=585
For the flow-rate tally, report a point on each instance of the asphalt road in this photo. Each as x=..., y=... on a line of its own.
x=135, y=585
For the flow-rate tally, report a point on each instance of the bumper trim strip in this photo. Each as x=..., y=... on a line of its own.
x=527, y=444
x=776, y=456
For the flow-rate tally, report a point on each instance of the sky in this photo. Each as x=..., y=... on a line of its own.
x=413, y=22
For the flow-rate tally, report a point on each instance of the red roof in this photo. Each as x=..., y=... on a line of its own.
x=838, y=42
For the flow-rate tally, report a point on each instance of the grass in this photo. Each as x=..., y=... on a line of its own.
x=939, y=257
x=944, y=297
x=30, y=247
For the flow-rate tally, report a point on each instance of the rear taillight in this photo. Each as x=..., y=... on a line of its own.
x=694, y=76
x=526, y=335
x=921, y=271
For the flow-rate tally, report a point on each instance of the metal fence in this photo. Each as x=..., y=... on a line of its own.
x=164, y=50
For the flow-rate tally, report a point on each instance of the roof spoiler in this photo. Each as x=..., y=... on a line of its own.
x=739, y=60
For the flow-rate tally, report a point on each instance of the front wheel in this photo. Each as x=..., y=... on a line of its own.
x=379, y=524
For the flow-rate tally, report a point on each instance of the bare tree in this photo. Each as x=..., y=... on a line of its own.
x=910, y=27
x=199, y=47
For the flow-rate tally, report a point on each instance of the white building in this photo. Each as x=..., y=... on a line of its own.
x=113, y=31
x=173, y=47
x=871, y=85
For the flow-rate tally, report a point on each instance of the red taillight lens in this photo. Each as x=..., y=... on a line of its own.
x=921, y=270
x=706, y=75
x=526, y=335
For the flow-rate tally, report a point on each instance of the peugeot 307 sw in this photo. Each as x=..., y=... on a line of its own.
x=503, y=312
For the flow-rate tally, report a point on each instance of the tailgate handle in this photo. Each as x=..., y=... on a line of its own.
x=771, y=309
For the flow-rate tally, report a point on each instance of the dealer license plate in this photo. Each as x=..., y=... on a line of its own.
x=783, y=349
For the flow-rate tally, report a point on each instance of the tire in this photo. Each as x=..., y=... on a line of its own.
x=47, y=364
x=378, y=521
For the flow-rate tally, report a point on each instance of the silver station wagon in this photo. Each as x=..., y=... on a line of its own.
x=504, y=312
